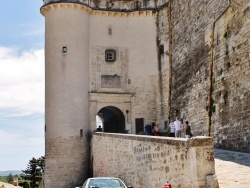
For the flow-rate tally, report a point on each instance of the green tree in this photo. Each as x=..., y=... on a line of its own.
x=24, y=184
x=33, y=172
x=41, y=163
x=9, y=178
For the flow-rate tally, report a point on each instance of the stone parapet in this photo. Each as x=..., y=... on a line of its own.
x=147, y=161
x=96, y=11
x=117, y=5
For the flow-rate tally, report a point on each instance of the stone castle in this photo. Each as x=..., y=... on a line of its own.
x=137, y=62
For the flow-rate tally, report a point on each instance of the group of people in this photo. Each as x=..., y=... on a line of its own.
x=152, y=130
x=175, y=129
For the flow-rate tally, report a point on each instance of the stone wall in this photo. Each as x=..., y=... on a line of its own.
x=190, y=21
x=63, y=168
x=163, y=65
x=192, y=50
x=144, y=161
x=231, y=77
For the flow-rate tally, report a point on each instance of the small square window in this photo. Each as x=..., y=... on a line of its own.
x=110, y=55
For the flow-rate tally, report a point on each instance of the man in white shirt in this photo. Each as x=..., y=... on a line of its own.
x=177, y=125
x=172, y=129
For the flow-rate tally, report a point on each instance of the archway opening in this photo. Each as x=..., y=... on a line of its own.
x=113, y=119
x=99, y=121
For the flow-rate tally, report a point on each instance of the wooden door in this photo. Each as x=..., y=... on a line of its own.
x=139, y=125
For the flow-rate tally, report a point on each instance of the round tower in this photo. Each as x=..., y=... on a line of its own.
x=66, y=93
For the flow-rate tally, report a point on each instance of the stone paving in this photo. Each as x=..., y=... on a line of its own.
x=232, y=169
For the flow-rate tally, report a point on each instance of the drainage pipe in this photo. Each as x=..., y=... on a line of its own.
x=170, y=27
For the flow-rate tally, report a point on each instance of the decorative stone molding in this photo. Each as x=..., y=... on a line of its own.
x=110, y=97
x=46, y=8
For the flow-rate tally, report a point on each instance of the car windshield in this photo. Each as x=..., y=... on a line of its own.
x=105, y=183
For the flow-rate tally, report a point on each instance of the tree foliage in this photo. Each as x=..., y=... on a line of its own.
x=33, y=172
x=9, y=178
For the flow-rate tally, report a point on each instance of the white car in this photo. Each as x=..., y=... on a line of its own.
x=104, y=182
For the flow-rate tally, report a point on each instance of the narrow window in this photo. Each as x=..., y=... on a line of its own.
x=129, y=81
x=81, y=133
x=161, y=49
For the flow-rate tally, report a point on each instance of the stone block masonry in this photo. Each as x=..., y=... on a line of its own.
x=147, y=161
x=193, y=50
x=231, y=89
x=63, y=166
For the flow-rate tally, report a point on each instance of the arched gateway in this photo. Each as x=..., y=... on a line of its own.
x=113, y=119
x=114, y=111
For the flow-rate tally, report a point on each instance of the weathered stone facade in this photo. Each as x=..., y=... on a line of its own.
x=178, y=57
x=231, y=78
x=147, y=162
x=61, y=159
x=193, y=22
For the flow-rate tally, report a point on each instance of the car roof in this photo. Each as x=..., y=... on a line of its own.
x=103, y=178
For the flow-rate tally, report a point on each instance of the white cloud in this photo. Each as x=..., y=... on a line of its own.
x=17, y=149
x=21, y=82
x=18, y=142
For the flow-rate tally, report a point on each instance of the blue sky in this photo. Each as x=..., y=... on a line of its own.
x=21, y=83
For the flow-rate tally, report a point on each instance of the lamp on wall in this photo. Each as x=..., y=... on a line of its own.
x=64, y=49
x=127, y=111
